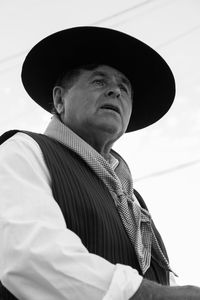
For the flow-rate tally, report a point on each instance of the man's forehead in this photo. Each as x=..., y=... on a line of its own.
x=105, y=70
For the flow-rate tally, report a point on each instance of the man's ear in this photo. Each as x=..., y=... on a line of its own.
x=58, y=99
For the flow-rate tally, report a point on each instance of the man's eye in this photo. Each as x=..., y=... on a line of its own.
x=99, y=82
x=122, y=87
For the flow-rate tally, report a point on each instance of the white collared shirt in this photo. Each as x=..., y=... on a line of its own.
x=39, y=257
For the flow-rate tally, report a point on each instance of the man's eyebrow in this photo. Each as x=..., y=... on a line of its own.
x=98, y=73
x=125, y=81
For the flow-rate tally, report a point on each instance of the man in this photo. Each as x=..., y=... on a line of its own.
x=71, y=224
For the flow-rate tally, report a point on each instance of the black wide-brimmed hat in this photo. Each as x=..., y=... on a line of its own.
x=151, y=78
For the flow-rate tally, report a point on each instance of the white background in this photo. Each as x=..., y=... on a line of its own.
x=164, y=158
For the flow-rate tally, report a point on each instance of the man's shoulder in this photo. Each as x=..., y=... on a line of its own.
x=16, y=135
x=18, y=142
x=21, y=154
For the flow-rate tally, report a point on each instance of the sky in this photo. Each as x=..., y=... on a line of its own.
x=164, y=158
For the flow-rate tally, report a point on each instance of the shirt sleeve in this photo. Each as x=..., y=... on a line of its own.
x=172, y=280
x=39, y=257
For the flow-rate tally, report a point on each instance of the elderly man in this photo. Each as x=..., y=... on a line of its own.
x=71, y=224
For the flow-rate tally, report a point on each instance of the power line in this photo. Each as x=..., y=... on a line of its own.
x=12, y=57
x=120, y=13
x=128, y=20
x=170, y=41
x=170, y=170
x=125, y=11
x=178, y=37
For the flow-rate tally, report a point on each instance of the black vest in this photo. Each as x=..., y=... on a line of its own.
x=89, y=209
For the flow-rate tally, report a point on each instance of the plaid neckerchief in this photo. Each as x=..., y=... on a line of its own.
x=136, y=220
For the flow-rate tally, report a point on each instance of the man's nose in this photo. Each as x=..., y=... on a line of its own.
x=113, y=92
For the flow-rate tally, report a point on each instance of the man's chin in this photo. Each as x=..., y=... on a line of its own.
x=114, y=130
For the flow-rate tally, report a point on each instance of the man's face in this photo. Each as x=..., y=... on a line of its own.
x=99, y=101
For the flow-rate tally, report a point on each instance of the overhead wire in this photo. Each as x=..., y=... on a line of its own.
x=169, y=170
x=8, y=58
x=125, y=11
x=120, y=13
x=127, y=20
x=178, y=37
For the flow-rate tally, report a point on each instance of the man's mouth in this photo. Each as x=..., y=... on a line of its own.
x=111, y=107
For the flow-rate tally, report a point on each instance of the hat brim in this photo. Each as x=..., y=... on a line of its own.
x=151, y=78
